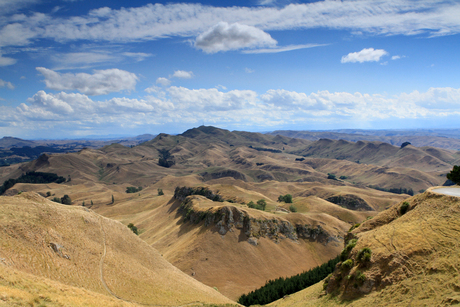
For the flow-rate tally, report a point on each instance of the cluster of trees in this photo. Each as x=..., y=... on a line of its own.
x=65, y=200
x=133, y=190
x=394, y=190
x=260, y=205
x=285, y=198
x=278, y=288
x=181, y=193
x=166, y=159
x=32, y=177
x=266, y=149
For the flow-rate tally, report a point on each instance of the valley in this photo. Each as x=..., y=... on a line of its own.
x=224, y=243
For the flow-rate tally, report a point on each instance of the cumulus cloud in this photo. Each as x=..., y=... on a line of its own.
x=6, y=84
x=183, y=74
x=225, y=37
x=163, y=81
x=211, y=99
x=102, y=82
x=183, y=107
x=365, y=55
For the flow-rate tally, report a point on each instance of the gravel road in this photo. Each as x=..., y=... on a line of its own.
x=452, y=191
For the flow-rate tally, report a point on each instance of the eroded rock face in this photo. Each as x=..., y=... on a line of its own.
x=351, y=202
x=228, y=218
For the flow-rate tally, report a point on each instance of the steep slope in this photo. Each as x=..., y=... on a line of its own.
x=235, y=248
x=78, y=248
x=413, y=259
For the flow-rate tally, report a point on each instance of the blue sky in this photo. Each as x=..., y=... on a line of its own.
x=72, y=68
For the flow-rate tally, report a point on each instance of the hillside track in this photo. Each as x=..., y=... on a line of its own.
x=101, y=275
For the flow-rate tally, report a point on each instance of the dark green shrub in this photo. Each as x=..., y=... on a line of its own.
x=343, y=177
x=364, y=255
x=133, y=228
x=331, y=176
x=261, y=204
x=360, y=277
x=285, y=198
x=133, y=189
x=160, y=192
x=292, y=208
x=57, y=200
x=347, y=264
x=404, y=207
x=346, y=251
x=66, y=200
x=48, y=194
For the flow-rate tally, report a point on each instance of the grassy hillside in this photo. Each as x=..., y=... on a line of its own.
x=51, y=244
x=414, y=259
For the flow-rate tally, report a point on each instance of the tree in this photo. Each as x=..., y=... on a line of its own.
x=113, y=199
x=454, y=174
x=262, y=204
x=66, y=200
x=133, y=228
x=166, y=159
x=160, y=192
x=331, y=176
x=286, y=198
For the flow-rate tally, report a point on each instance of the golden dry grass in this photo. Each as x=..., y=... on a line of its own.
x=131, y=269
x=415, y=259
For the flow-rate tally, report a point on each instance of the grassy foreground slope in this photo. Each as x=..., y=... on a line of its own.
x=91, y=258
x=415, y=260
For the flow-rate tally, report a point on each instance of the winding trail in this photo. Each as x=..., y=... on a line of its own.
x=101, y=263
x=101, y=276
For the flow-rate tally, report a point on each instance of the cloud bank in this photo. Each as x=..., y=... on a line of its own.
x=179, y=105
x=102, y=82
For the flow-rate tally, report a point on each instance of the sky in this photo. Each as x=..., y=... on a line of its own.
x=77, y=68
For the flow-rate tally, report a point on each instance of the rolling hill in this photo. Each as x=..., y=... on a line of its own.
x=413, y=259
x=91, y=259
x=238, y=254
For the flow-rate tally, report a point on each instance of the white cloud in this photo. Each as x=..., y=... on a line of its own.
x=365, y=55
x=284, y=49
x=138, y=56
x=163, y=81
x=102, y=82
x=5, y=61
x=242, y=108
x=94, y=57
x=154, y=21
x=249, y=71
x=211, y=99
x=183, y=74
x=397, y=57
x=7, y=84
x=225, y=37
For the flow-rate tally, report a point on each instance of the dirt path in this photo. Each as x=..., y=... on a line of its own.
x=101, y=264
x=101, y=275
